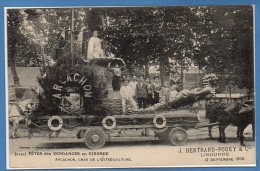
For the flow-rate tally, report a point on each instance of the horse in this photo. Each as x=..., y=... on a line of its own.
x=16, y=112
x=213, y=111
x=240, y=115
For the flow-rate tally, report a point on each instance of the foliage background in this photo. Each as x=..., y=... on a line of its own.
x=216, y=39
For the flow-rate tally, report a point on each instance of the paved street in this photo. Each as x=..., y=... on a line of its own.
x=197, y=138
x=130, y=154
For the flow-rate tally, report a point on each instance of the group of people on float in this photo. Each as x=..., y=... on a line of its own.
x=143, y=92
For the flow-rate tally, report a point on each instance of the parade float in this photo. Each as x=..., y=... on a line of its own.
x=76, y=99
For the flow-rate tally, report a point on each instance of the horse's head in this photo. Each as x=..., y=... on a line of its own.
x=25, y=104
x=233, y=108
x=246, y=108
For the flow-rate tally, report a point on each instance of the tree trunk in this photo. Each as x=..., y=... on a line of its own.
x=86, y=34
x=146, y=69
x=85, y=43
x=13, y=69
x=249, y=94
x=163, y=63
x=229, y=91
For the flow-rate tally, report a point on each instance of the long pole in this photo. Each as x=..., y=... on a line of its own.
x=72, y=37
x=43, y=56
x=182, y=75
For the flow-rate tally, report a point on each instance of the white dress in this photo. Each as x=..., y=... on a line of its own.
x=94, y=48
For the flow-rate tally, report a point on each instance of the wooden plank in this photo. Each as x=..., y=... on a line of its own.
x=189, y=121
x=124, y=139
x=138, y=116
x=46, y=117
x=133, y=126
x=151, y=116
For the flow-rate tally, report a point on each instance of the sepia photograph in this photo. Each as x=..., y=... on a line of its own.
x=128, y=87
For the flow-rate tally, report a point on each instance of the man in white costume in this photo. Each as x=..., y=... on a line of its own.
x=133, y=84
x=127, y=95
x=94, y=47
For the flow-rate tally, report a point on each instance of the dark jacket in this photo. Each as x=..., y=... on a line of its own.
x=141, y=90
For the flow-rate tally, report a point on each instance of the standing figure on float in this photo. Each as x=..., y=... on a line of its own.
x=94, y=47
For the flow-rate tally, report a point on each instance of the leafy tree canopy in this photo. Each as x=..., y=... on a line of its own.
x=217, y=39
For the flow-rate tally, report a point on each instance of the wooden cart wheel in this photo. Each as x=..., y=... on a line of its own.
x=95, y=138
x=178, y=136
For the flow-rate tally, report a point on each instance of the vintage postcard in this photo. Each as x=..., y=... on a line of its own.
x=116, y=87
